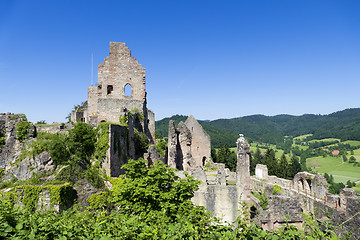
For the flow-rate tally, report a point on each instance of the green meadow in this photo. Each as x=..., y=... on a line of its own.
x=342, y=171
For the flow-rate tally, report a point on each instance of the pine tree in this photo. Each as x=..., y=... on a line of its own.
x=271, y=162
x=283, y=167
x=294, y=167
x=255, y=159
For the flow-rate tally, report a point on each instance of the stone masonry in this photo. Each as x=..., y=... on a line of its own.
x=307, y=193
x=120, y=88
x=188, y=145
x=222, y=192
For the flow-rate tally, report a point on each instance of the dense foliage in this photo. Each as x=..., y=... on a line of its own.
x=226, y=156
x=334, y=187
x=344, y=125
x=22, y=129
x=151, y=203
x=278, y=167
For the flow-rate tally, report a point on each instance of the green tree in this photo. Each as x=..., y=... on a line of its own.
x=256, y=158
x=81, y=141
x=22, y=129
x=213, y=154
x=58, y=149
x=344, y=158
x=283, y=167
x=229, y=158
x=141, y=143
x=295, y=167
x=352, y=159
x=152, y=191
x=271, y=162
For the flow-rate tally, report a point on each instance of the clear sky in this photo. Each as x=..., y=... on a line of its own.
x=211, y=59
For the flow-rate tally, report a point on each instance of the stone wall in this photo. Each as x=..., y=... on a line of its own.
x=121, y=149
x=110, y=98
x=309, y=192
x=189, y=145
x=223, y=192
x=201, y=142
x=54, y=128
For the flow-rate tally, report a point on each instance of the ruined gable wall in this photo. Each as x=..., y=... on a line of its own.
x=201, y=142
x=119, y=69
x=107, y=101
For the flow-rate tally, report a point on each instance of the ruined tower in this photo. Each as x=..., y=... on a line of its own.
x=120, y=88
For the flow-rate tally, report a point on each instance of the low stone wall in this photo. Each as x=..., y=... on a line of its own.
x=39, y=197
x=309, y=193
x=54, y=128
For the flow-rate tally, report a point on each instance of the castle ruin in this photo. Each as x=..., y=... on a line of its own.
x=120, y=89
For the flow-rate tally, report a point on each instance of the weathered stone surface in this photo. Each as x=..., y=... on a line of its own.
x=54, y=128
x=187, y=139
x=200, y=142
x=31, y=165
x=121, y=149
x=243, y=169
x=261, y=171
x=84, y=190
x=152, y=155
x=110, y=98
x=224, y=191
x=184, y=159
x=12, y=148
x=172, y=145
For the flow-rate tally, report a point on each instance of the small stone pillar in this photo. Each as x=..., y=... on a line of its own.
x=243, y=169
x=172, y=145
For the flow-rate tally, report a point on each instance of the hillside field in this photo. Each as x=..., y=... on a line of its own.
x=342, y=171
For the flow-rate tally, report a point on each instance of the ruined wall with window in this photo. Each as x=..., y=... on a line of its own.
x=120, y=88
x=307, y=193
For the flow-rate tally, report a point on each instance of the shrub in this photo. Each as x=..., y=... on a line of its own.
x=22, y=129
x=141, y=142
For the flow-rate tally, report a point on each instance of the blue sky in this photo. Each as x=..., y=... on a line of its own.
x=210, y=59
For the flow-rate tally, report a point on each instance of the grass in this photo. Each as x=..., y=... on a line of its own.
x=352, y=143
x=302, y=136
x=342, y=172
x=325, y=140
x=357, y=188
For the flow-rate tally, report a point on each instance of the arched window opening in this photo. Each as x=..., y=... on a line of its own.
x=203, y=161
x=127, y=90
x=301, y=182
x=109, y=89
x=309, y=183
x=102, y=121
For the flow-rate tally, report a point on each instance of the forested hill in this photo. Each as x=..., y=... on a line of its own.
x=272, y=129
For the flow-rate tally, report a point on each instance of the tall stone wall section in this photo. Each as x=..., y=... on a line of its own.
x=121, y=149
x=189, y=145
x=200, y=142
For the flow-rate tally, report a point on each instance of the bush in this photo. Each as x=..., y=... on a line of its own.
x=161, y=147
x=141, y=142
x=22, y=129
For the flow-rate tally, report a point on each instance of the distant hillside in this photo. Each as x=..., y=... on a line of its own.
x=343, y=124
